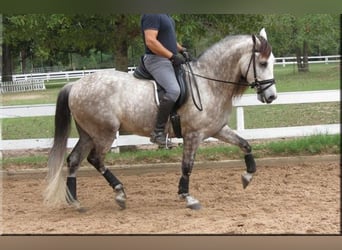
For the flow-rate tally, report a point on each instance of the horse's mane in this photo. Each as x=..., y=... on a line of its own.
x=264, y=48
x=227, y=39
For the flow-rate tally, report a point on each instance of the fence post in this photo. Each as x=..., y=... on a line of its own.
x=240, y=119
x=115, y=148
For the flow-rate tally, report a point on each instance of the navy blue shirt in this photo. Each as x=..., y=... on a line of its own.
x=166, y=30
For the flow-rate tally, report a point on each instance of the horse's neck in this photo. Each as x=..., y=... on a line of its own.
x=222, y=60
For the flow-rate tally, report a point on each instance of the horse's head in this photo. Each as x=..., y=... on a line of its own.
x=259, y=69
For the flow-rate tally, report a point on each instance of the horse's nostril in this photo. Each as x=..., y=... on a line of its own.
x=272, y=98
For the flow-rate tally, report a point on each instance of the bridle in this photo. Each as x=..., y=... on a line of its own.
x=256, y=84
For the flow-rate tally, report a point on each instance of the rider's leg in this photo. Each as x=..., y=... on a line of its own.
x=163, y=72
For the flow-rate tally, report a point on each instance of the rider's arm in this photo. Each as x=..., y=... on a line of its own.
x=154, y=45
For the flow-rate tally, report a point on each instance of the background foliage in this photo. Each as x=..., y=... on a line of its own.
x=47, y=42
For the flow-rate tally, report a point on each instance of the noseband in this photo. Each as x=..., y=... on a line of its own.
x=256, y=84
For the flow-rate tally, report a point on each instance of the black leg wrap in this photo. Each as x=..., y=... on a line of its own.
x=183, y=187
x=71, y=184
x=112, y=180
x=250, y=163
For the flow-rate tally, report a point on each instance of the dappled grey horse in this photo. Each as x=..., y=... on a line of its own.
x=106, y=101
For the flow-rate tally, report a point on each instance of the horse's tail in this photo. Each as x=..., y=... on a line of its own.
x=56, y=190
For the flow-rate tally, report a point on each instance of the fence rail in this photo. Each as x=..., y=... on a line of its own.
x=246, y=100
x=63, y=75
x=36, y=81
x=312, y=59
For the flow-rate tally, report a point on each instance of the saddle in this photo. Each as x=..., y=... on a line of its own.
x=142, y=73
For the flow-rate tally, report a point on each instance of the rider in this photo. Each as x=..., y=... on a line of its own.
x=161, y=55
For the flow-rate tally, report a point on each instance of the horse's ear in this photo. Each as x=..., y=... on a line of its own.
x=263, y=33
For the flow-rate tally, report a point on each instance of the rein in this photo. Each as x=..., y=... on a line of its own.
x=256, y=84
x=198, y=106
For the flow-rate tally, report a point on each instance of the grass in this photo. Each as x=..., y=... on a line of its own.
x=289, y=115
x=311, y=145
x=38, y=97
x=30, y=128
x=319, y=77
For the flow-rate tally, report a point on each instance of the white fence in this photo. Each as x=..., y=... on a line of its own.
x=22, y=86
x=36, y=81
x=312, y=59
x=246, y=100
x=63, y=75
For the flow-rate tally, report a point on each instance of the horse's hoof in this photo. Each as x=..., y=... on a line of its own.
x=82, y=209
x=192, y=203
x=120, y=196
x=77, y=205
x=246, y=179
x=121, y=200
x=197, y=206
x=122, y=204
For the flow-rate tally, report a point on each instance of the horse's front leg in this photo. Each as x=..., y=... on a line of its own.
x=191, y=143
x=226, y=134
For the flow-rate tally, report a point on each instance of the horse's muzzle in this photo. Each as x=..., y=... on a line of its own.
x=271, y=98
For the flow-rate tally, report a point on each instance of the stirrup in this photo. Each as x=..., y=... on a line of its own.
x=161, y=140
x=168, y=144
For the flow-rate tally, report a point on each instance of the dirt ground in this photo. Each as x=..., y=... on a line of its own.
x=286, y=196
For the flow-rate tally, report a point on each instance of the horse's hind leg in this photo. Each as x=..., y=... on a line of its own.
x=77, y=155
x=228, y=135
x=96, y=158
x=191, y=143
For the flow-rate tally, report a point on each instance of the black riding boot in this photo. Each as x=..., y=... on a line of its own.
x=158, y=136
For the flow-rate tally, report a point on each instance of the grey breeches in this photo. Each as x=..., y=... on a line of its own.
x=162, y=70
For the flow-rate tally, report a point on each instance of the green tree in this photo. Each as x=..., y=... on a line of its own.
x=304, y=35
x=53, y=39
x=11, y=41
x=126, y=28
x=202, y=30
x=26, y=36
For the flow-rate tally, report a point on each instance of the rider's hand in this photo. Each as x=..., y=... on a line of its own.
x=186, y=55
x=177, y=59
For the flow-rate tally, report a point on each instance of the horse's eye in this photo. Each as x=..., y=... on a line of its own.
x=263, y=64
